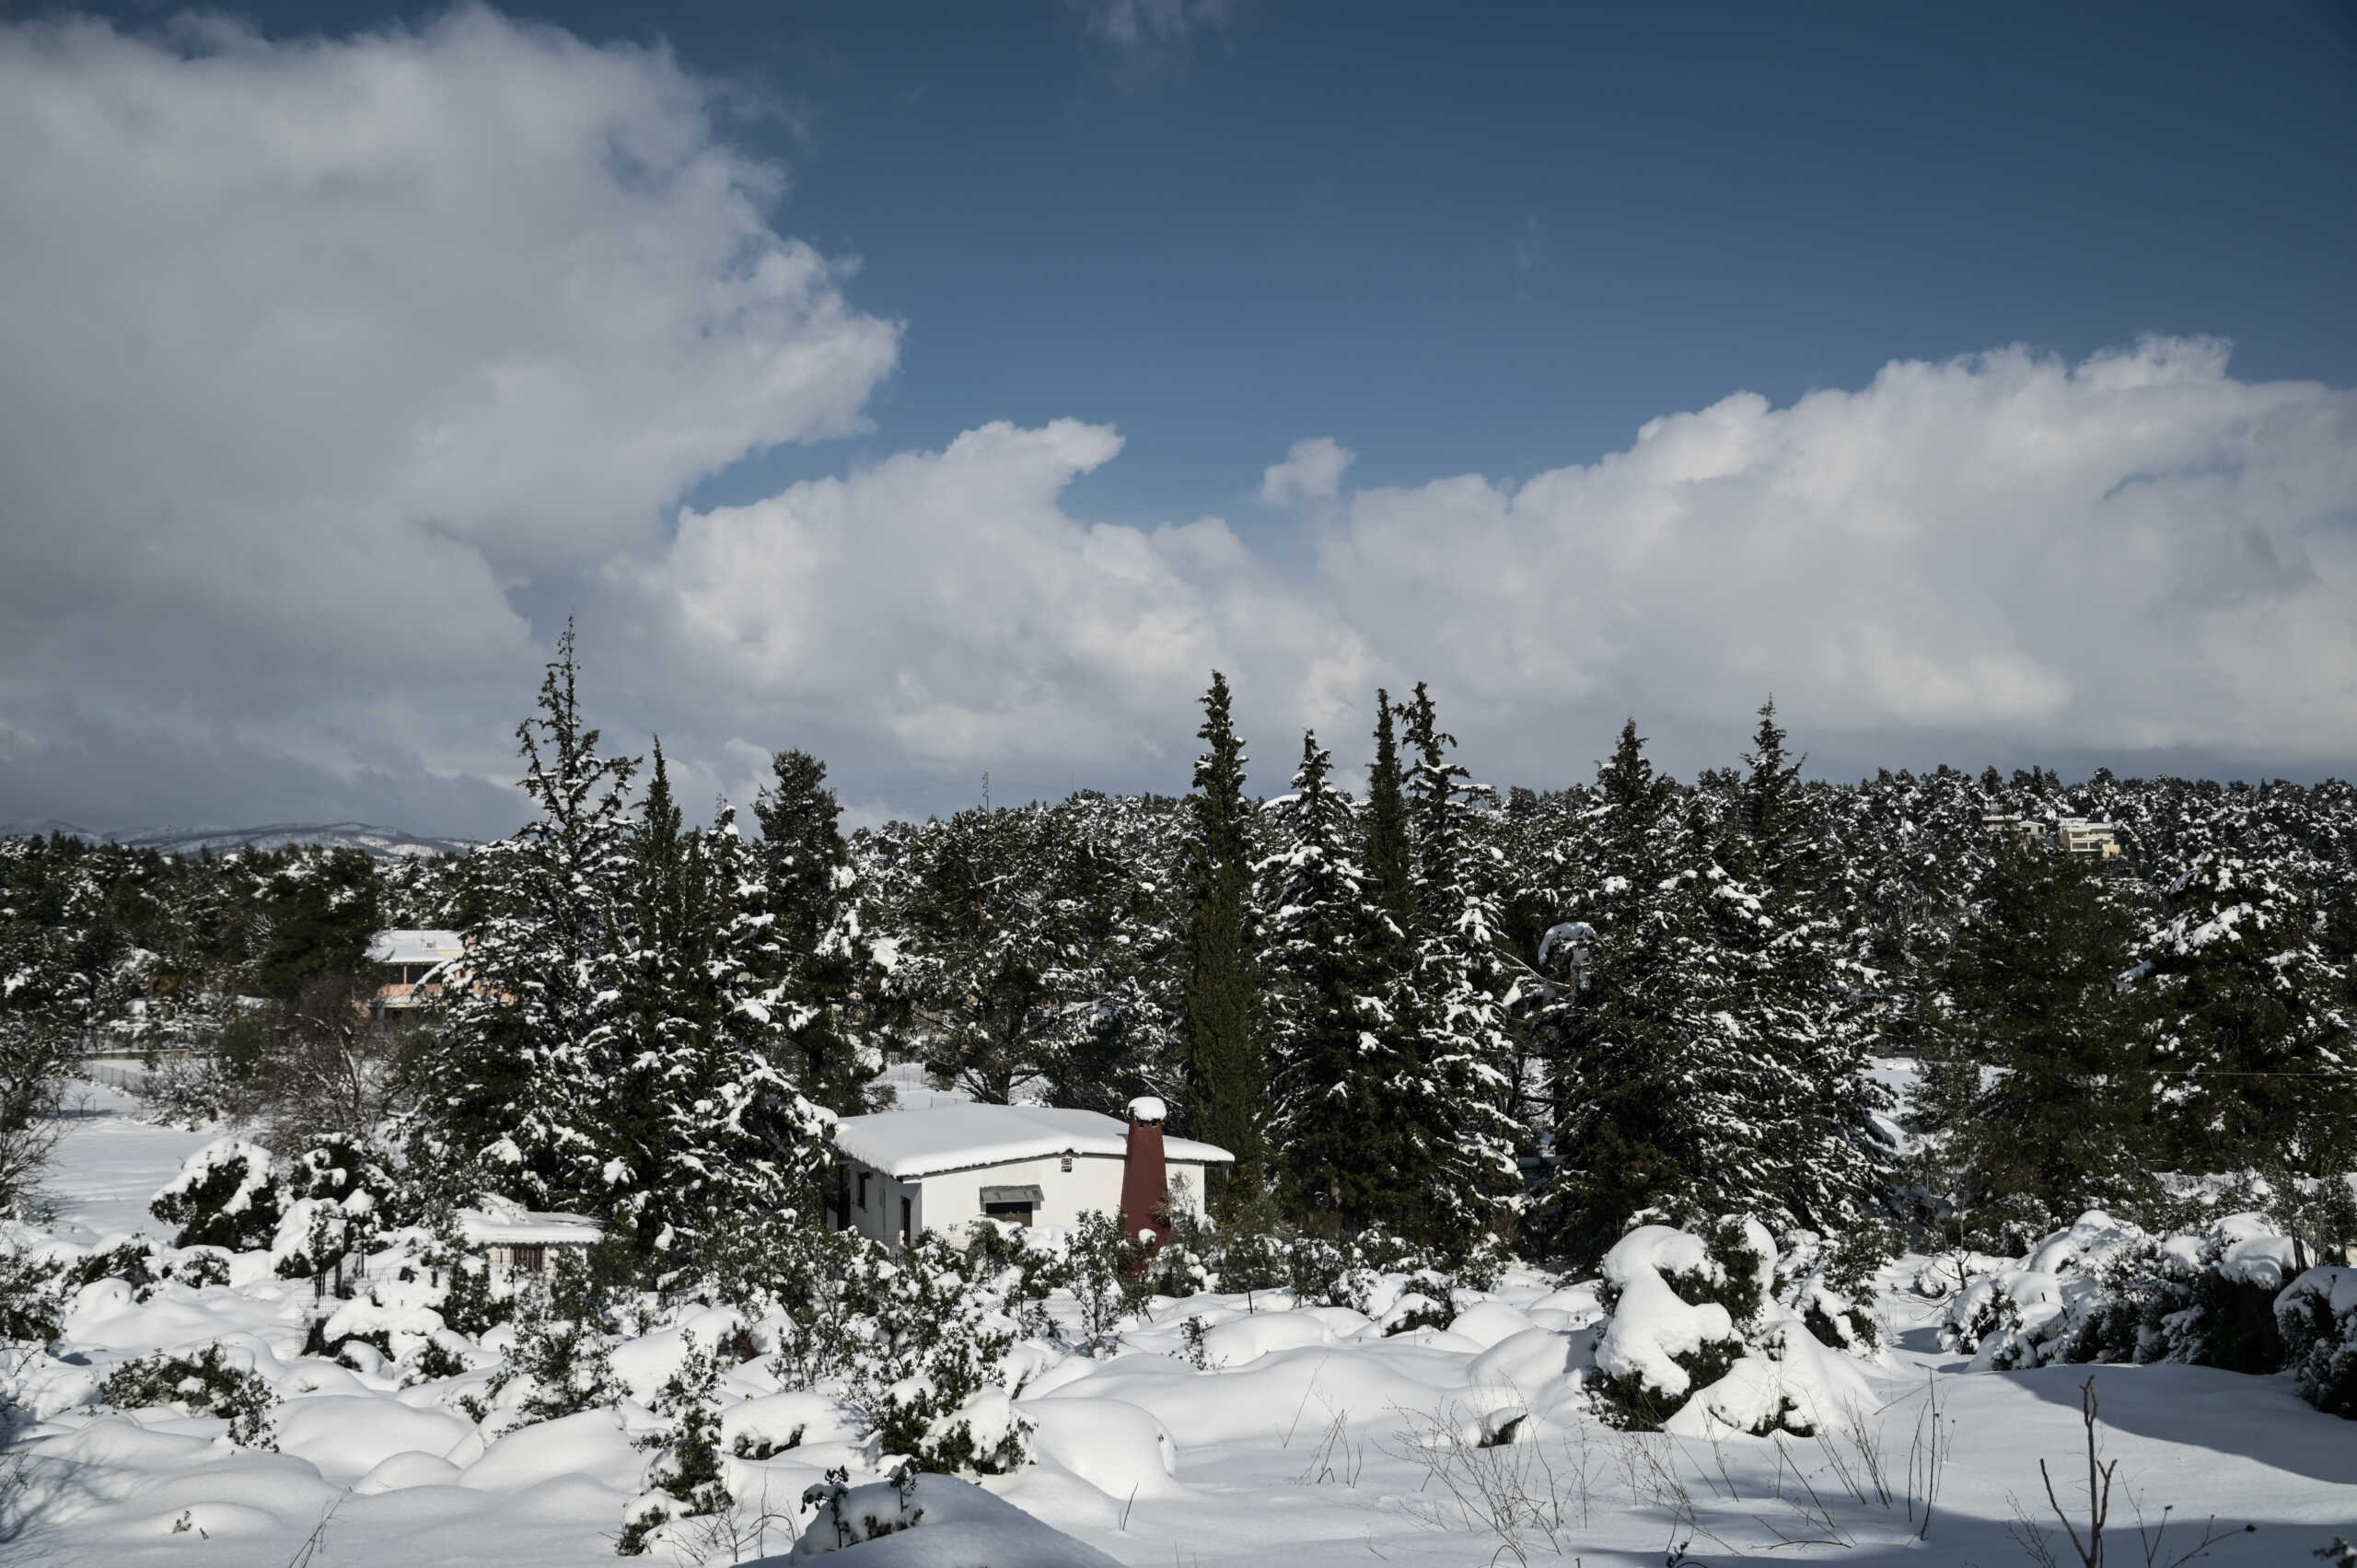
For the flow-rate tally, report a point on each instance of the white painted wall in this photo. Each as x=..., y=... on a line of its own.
x=950, y=1201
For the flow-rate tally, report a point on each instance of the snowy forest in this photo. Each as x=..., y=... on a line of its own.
x=1707, y=1071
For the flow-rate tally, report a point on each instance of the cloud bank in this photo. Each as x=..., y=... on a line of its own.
x=333, y=373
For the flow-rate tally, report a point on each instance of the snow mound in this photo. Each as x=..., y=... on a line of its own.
x=1115, y=1446
x=1242, y=1339
x=938, y=1522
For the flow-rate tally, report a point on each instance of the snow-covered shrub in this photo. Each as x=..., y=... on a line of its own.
x=559, y=1357
x=1672, y=1300
x=685, y=1481
x=849, y=1515
x=940, y=1340
x=190, y=1093
x=216, y=1381
x=916, y=1339
x=132, y=1261
x=1829, y=1282
x=2101, y=1290
x=1106, y=1272
x=229, y=1193
x=31, y=1310
x=1696, y=1342
x=199, y=1267
x=2317, y=1317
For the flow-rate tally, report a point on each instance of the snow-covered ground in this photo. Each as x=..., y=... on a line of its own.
x=1304, y=1444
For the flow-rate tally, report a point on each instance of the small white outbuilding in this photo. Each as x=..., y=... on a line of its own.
x=904, y=1172
x=522, y=1241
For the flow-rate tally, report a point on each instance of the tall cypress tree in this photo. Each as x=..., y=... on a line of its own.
x=1389, y=858
x=1226, y=1073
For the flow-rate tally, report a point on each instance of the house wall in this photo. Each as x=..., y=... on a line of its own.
x=950, y=1201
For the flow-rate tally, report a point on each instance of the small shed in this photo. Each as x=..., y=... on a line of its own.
x=525, y=1242
x=899, y=1173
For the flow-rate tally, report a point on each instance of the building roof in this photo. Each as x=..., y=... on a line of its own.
x=503, y=1222
x=416, y=947
x=904, y=1143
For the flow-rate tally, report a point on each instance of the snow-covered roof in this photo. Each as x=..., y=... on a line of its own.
x=903, y=1143
x=416, y=947
x=502, y=1221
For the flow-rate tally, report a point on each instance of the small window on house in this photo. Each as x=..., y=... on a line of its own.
x=530, y=1259
x=907, y=1210
x=1067, y=1161
x=862, y=1191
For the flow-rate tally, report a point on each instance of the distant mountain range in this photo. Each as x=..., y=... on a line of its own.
x=388, y=843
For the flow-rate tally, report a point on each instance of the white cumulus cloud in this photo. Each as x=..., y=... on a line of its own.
x=2136, y=552
x=311, y=352
x=1310, y=475
x=943, y=607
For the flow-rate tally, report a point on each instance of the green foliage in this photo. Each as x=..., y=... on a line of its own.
x=1226, y=1069
x=561, y=1362
x=686, y=1479
x=322, y=914
x=2063, y=1127
x=211, y=1382
x=230, y=1194
x=1731, y=1277
x=2320, y=1343
x=31, y=1309
x=1106, y=1269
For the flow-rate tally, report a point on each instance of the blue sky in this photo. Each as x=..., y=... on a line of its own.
x=1490, y=240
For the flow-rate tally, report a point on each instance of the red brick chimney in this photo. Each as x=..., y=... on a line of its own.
x=1146, y=1179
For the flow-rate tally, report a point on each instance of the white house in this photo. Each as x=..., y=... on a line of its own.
x=904, y=1172
x=525, y=1241
x=411, y=965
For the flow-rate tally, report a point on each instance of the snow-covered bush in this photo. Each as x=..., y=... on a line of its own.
x=216, y=1381
x=1829, y=1282
x=2317, y=1317
x=559, y=1359
x=933, y=1384
x=199, y=1267
x=1695, y=1342
x=685, y=1481
x=1671, y=1301
x=186, y=1092
x=32, y=1312
x=2103, y=1290
x=915, y=1339
x=1106, y=1271
x=229, y=1193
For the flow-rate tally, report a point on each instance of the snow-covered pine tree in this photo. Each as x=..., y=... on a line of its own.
x=513, y=1086
x=1330, y=1048
x=696, y=1119
x=1023, y=932
x=822, y=981
x=1804, y=1066
x=2035, y=988
x=2259, y=1069
x=1226, y=1075
x=1645, y=1119
x=1456, y=1099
